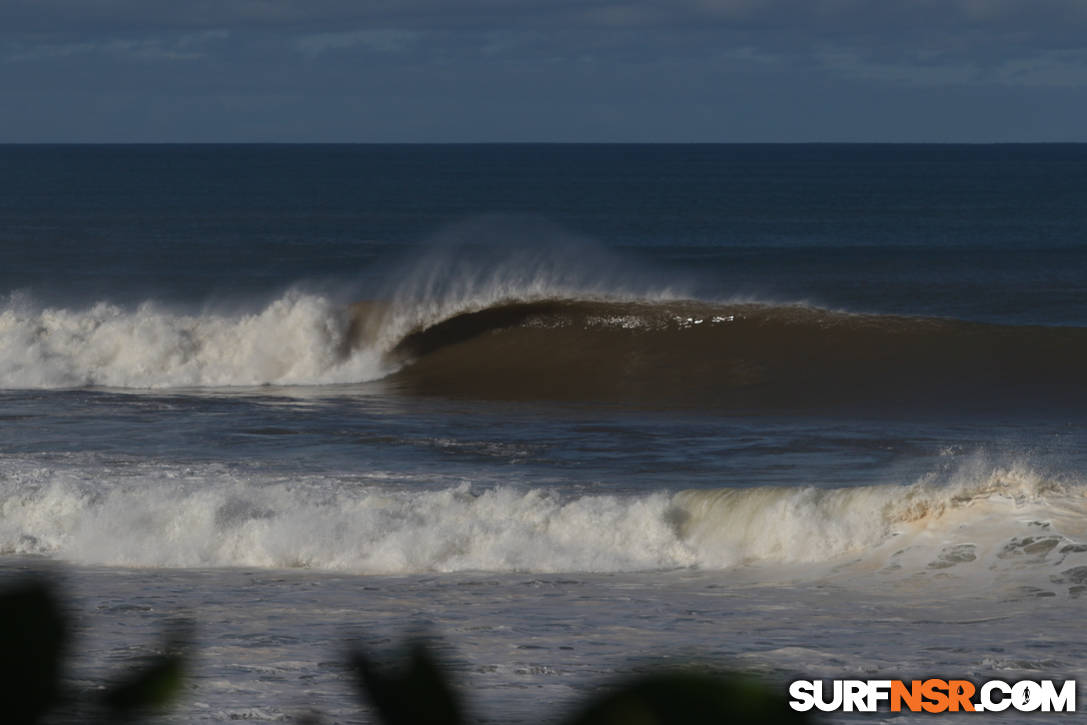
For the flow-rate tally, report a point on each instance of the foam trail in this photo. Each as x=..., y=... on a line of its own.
x=189, y=523
x=297, y=339
x=988, y=520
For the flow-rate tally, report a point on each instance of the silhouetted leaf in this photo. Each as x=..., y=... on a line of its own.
x=33, y=641
x=155, y=683
x=420, y=694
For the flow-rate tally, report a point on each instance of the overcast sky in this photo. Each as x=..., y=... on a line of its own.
x=543, y=70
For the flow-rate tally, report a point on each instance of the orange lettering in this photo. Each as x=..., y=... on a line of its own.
x=934, y=690
x=959, y=694
x=911, y=696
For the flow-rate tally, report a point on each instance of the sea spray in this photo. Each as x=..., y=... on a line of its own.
x=495, y=260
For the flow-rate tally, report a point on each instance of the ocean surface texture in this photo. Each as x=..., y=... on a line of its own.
x=577, y=411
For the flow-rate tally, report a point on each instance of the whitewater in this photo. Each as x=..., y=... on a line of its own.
x=294, y=340
x=988, y=519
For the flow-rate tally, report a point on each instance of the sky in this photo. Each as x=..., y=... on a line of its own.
x=543, y=70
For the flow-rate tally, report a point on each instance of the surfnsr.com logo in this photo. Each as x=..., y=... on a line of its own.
x=933, y=695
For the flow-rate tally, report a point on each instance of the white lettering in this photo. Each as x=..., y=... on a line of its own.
x=991, y=705
x=802, y=692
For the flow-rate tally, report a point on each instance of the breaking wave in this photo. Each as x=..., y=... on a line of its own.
x=301, y=338
x=983, y=519
x=547, y=324
x=737, y=357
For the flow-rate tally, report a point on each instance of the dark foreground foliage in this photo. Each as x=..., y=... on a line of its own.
x=35, y=639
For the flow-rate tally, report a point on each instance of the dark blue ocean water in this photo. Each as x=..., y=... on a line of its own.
x=981, y=232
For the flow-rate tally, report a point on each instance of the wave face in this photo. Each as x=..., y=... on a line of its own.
x=982, y=520
x=741, y=357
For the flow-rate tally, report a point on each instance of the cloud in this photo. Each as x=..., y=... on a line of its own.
x=19, y=52
x=1058, y=69
x=917, y=69
x=377, y=41
x=188, y=46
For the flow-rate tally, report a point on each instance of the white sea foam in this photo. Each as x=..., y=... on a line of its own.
x=988, y=518
x=212, y=518
x=981, y=521
x=297, y=339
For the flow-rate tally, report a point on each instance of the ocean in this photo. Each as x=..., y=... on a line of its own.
x=573, y=411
